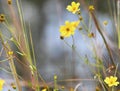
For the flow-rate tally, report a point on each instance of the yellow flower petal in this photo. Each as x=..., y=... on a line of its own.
x=116, y=83
x=69, y=8
x=78, y=4
x=73, y=3
x=1, y=84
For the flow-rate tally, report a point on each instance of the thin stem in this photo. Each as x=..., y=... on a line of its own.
x=116, y=70
x=86, y=28
x=4, y=60
x=106, y=44
x=101, y=84
x=118, y=22
x=43, y=80
x=74, y=50
x=31, y=42
x=73, y=57
x=13, y=69
x=90, y=24
x=24, y=31
x=12, y=66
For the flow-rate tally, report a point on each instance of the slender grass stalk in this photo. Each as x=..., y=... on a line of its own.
x=13, y=69
x=118, y=22
x=77, y=86
x=11, y=63
x=85, y=26
x=77, y=53
x=27, y=43
x=9, y=72
x=1, y=68
x=4, y=60
x=90, y=23
x=116, y=70
x=34, y=58
x=15, y=41
x=100, y=80
x=31, y=42
x=43, y=80
x=106, y=44
x=110, y=8
x=7, y=25
x=73, y=58
x=24, y=31
x=115, y=13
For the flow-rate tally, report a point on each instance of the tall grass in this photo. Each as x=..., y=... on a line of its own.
x=21, y=38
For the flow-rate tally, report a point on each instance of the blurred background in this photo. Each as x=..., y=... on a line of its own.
x=53, y=56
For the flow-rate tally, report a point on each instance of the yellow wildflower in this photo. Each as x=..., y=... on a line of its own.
x=2, y=18
x=10, y=52
x=111, y=81
x=68, y=29
x=74, y=7
x=9, y=2
x=1, y=84
x=91, y=8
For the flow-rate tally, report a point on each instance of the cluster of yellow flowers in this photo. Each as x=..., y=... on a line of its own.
x=69, y=28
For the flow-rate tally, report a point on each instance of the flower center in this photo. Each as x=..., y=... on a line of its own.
x=67, y=29
x=74, y=8
x=111, y=82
